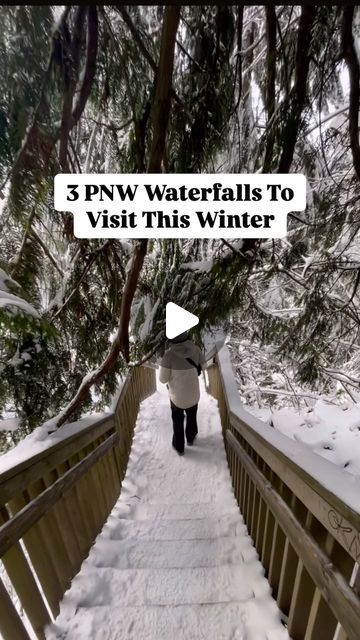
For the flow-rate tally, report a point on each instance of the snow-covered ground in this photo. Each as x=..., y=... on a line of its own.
x=174, y=559
x=330, y=430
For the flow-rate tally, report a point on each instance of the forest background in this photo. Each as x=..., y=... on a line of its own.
x=189, y=89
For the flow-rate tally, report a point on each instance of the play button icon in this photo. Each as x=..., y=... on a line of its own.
x=178, y=320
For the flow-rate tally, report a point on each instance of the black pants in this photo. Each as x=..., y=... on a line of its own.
x=191, y=429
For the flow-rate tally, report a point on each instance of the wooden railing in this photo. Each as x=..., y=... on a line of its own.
x=53, y=505
x=303, y=514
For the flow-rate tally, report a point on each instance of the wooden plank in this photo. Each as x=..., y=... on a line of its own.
x=114, y=478
x=246, y=494
x=267, y=542
x=120, y=451
x=12, y=531
x=301, y=602
x=123, y=393
x=106, y=483
x=276, y=558
x=24, y=583
x=255, y=514
x=250, y=504
x=50, y=532
x=340, y=634
x=63, y=516
x=321, y=623
x=289, y=565
x=334, y=588
x=238, y=477
x=242, y=488
x=287, y=577
x=93, y=493
x=78, y=514
x=38, y=549
x=11, y=625
x=86, y=496
x=81, y=489
x=101, y=487
x=117, y=459
x=261, y=527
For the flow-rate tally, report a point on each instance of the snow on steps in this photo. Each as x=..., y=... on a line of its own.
x=146, y=554
x=186, y=511
x=224, y=621
x=194, y=529
x=174, y=560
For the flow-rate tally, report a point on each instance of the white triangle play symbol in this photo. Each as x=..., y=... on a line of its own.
x=178, y=320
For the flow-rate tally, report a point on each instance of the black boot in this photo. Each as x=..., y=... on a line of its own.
x=180, y=453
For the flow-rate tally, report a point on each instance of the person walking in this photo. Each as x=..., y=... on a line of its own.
x=180, y=367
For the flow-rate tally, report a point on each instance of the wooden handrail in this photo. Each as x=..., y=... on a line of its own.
x=306, y=530
x=16, y=527
x=56, y=501
x=35, y=466
x=323, y=572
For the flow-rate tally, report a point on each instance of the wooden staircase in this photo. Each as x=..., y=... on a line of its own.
x=302, y=513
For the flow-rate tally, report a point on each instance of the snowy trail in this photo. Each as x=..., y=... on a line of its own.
x=174, y=560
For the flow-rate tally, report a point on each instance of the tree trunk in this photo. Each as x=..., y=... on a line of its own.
x=163, y=91
x=270, y=87
x=121, y=341
x=298, y=93
x=71, y=70
x=161, y=113
x=351, y=59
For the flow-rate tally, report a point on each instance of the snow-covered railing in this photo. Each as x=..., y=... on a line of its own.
x=53, y=505
x=303, y=514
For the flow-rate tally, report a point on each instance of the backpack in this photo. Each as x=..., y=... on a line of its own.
x=197, y=366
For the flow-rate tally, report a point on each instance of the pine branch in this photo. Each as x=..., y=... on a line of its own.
x=94, y=255
x=47, y=252
x=137, y=37
x=356, y=285
x=187, y=54
x=17, y=261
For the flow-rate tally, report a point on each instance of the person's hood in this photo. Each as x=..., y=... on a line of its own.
x=184, y=349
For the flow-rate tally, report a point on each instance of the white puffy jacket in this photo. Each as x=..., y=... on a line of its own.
x=180, y=376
